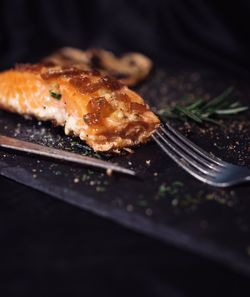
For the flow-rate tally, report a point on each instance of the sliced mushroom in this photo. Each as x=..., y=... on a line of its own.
x=130, y=68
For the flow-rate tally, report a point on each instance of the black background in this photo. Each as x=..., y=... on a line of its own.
x=49, y=248
x=170, y=31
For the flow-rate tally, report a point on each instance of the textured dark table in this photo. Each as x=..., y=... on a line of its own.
x=50, y=248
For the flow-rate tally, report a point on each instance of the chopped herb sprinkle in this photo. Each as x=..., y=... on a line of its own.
x=55, y=94
x=163, y=189
x=172, y=189
x=100, y=189
x=142, y=203
x=178, y=183
x=55, y=91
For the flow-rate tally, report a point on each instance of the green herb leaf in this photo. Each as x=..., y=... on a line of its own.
x=163, y=189
x=232, y=110
x=55, y=94
x=202, y=110
x=219, y=99
x=191, y=114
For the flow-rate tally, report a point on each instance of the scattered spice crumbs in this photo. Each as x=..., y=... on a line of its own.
x=171, y=189
x=85, y=177
x=130, y=207
x=142, y=203
x=149, y=212
x=109, y=172
x=76, y=180
x=100, y=189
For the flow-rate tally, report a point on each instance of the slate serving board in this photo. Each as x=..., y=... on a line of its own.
x=164, y=202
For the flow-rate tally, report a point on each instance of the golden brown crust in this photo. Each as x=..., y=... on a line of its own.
x=99, y=109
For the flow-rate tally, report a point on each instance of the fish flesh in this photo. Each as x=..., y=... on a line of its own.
x=98, y=108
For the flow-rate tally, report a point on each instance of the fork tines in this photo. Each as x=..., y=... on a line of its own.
x=189, y=156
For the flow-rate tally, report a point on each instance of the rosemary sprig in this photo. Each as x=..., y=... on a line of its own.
x=202, y=110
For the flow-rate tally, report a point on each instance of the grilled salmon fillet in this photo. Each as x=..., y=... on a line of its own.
x=99, y=109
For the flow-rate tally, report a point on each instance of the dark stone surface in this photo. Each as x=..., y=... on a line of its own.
x=210, y=221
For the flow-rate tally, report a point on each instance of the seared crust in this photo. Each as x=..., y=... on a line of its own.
x=99, y=109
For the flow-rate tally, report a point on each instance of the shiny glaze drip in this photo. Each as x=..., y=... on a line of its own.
x=98, y=109
x=85, y=85
x=124, y=102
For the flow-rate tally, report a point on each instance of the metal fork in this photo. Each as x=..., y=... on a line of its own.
x=199, y=163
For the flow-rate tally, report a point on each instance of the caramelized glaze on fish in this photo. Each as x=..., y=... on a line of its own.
x=99, y=109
